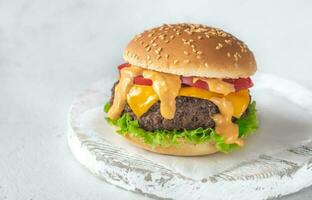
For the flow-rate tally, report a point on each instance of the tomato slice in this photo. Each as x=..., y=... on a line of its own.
x=123, y=66
x=199, y=83
x=240, y=83
x=187, y=80
x=140, y=80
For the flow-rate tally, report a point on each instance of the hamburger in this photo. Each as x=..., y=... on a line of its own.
x=184, y=90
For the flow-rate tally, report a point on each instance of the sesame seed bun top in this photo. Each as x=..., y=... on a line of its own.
x=191, y=50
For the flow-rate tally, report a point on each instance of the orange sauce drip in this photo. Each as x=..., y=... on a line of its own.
x=127, y=76
x=167, y=88
x=217, y=85
x=224, y=125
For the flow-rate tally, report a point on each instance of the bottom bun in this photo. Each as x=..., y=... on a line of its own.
x=184, y=149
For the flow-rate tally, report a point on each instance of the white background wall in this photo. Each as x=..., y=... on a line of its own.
x=50, y=50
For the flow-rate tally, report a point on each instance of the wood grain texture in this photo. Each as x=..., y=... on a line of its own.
x=264, y=177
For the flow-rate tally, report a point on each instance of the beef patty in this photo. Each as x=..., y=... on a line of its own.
x=191, y=113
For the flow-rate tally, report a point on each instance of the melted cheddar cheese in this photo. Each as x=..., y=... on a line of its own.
x=141, y=97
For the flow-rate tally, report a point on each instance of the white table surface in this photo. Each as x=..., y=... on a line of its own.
x=50, y=50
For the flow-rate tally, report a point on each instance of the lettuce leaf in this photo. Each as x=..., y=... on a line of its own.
x=165, y=138
x=107, y=106
x=249, y=123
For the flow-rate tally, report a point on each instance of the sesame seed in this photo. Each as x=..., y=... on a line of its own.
x=228, y=54
x=243, y=49
x=186, y=53
x=166, y=55
x=149, y=61
x=171, y=36
x=198, y=57
x=193, y=46
x=146, y=45
x=199, y=52
x=194, y=50
x=148, y=57
x=219, y=46
x=223, y=34
x=178, y=33
x=150, y=35
x=166, y=41
x=157, y=51
x=207, y=36
x=154, y=44
x=142, y=42
x=228, y=42
x=236, y=56
x=200, y=37
x=148, y=49
x=206, y=65
x=162, y=36
x=186, y=61
x=175, y=61
x=158, y=57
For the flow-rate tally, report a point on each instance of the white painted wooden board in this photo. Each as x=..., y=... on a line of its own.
x=269, y=166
